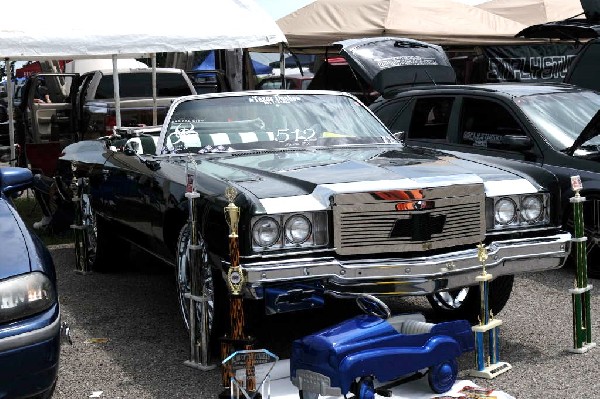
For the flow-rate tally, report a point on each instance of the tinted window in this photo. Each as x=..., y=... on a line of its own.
x=483, y=123
x=430, y=118
x=140, y=85
x=390, y=114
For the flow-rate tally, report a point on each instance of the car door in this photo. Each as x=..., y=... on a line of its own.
x=476, y=124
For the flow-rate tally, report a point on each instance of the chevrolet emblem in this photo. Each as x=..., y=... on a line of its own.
x=419, y=227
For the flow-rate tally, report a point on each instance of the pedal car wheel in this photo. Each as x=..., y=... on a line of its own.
x=308, y=395
x=463, y=303
x=365, y=388
x=212, y=287
x=442, y=376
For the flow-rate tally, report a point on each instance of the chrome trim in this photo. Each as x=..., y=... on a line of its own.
x=364, y=222
x=498, y=188
x=414, y=276
x=31, y=337
x=519, y=229
x=313, y=382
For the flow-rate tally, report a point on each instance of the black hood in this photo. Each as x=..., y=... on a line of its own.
x=389, y=63
x=285, y=174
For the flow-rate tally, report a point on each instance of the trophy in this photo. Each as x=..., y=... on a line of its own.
x=237, y=348
x=199, y=355
x=243, y=385
x=581, y=296
x=488, y=366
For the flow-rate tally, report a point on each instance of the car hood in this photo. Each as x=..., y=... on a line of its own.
x=15, y=254
x=392, y=62
x=314, y=175
x=591, y=130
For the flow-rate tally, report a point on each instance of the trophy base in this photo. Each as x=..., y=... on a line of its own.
x=226, y=394
x=584, y=348
x=491, y=371
x=199, y=366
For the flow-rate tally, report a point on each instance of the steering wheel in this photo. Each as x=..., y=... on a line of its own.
x=373, y=306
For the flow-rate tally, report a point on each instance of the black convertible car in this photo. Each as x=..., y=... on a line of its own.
x=331, y=203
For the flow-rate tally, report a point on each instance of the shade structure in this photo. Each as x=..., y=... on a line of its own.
x=130, y=28
x=530, y=12
x=444, y=22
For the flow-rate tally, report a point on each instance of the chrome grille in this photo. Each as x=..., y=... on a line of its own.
x=368, y=223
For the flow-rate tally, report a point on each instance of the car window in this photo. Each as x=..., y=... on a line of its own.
x=140, y=85
x=483, y=123
x=430, y=118
x=391, y=114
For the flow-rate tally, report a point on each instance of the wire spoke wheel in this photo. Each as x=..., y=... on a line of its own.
x=90, y=228
x=452, y=299
x=184, y=282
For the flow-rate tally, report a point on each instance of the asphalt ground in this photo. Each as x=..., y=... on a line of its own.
x=129, y=341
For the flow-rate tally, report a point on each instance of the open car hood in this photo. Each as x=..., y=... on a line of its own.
x=591, y=130
x=569, y=29
x=389, y=63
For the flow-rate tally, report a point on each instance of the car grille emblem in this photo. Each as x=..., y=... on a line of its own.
x=419, y=227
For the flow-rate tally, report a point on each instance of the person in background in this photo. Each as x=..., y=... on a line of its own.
x=42, y=190
x=42, y=95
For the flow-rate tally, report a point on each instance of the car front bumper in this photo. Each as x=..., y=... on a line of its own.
x=29, y=359
x=411, y=276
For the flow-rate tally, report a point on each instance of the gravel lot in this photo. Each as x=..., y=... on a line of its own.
x=136, y=311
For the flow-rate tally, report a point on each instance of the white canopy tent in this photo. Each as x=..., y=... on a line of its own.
x=117, y=29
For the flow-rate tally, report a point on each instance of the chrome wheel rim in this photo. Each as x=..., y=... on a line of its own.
x=184, y=281
x=90, y=227
x=452, y=299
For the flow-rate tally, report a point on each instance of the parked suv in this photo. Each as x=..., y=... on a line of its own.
x=555, y=126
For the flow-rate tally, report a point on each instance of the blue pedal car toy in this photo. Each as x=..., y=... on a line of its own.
x=348, y=357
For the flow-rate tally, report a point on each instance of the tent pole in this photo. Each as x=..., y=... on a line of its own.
x=11, y=122
x=282, y=65
x=116, y=90
x=154, y=104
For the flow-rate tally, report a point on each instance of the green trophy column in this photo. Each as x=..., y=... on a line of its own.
x=581, y=295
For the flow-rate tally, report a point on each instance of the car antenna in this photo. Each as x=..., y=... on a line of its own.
x=430, y=77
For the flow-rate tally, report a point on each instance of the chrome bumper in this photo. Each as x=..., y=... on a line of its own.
x=412, y=276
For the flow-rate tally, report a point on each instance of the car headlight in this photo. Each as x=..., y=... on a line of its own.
x=297, y=229
x=519, y=210
x=265, y=231
x=289, y=231
x=531, y=208
x=505, y=211
x=25, y=295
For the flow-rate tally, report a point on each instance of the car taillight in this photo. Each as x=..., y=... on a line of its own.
x=110, y=121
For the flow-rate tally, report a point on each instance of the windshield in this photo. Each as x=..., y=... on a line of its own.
x=257, y=121
x=561, y=117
